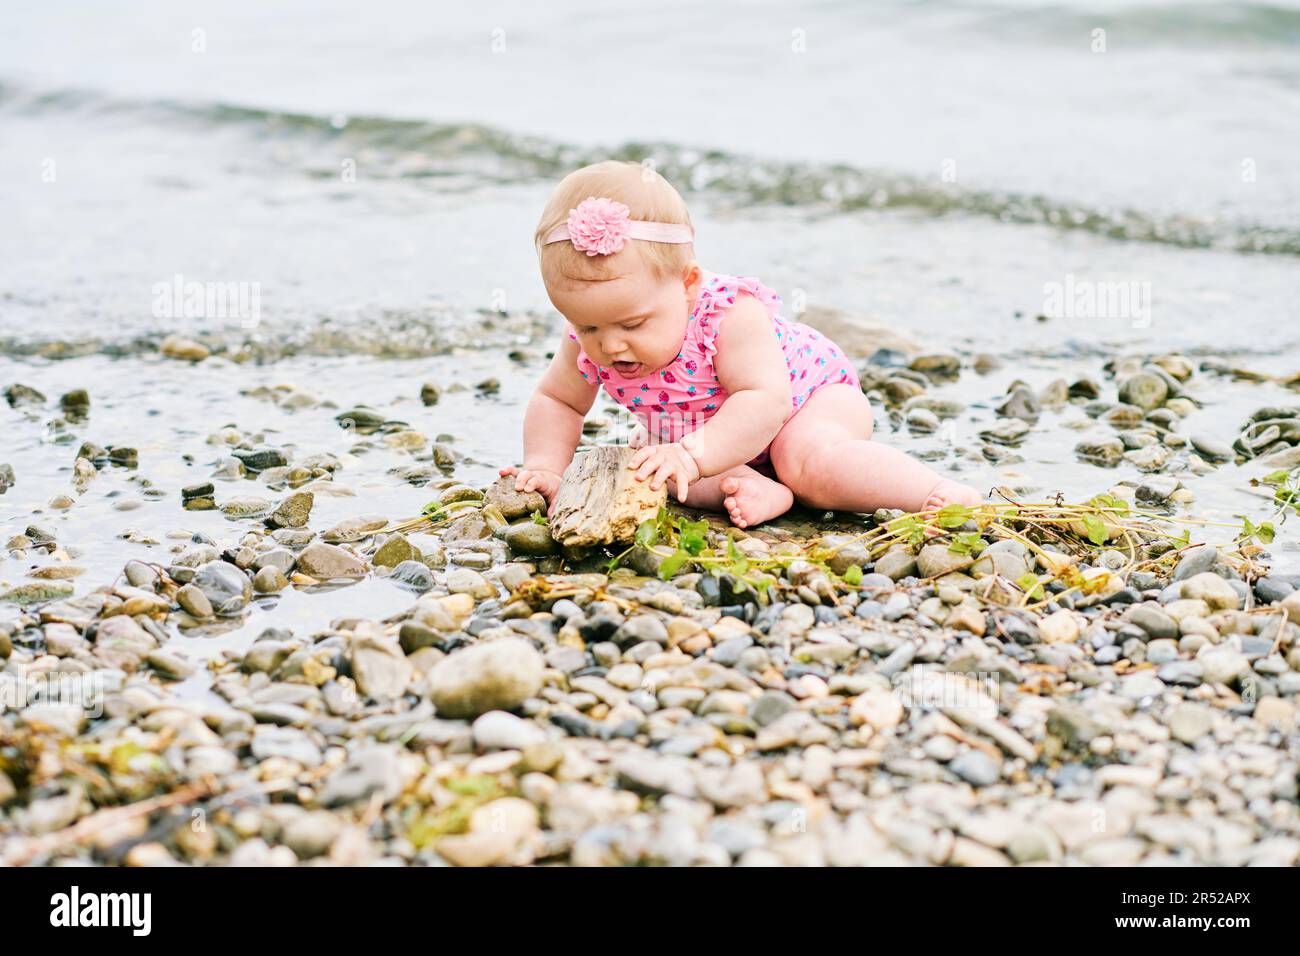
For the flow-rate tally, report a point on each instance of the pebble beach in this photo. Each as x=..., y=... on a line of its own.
x=270, y=316
x=272, y=672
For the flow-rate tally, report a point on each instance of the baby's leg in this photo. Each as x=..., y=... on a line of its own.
x=825, y=456
x=747, y=496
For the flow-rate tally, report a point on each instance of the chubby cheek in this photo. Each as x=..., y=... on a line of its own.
x=666, y=345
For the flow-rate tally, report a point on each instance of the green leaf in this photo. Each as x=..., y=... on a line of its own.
x=953, y=516
x=852, y=575
x=1276, y=478
x=739, y=563
x=1095, y=528
x=903, y=525
x=647, y=533
x=965, y=543
x=672, y=563
x=1109, y=501
x=539, y=518
x=1029, y=583
x=692, y=536
x=1264, y=532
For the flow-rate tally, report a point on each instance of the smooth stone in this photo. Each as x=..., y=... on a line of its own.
x=1162, y=651
x=1271, y=590
x=287, y=742
x=1212, y=589
x=380, y=668
x=1022, y=403
x=1212, y=449
x=1106, y=452
x=512, y=504
x=1194, y=561
x=194, y=602
x=935, y=560
x=225, y=586
x=1222, y=664
x=395, y=549
x=500, y=730
x=1190, y=722
x=469, y=581
x=770, y=706
x=269, y=580
x=326, y=561
x=495, y=675
x=371, y=769
x=977, y=768
x=1156, y=623
x=246, y=506
x=293, y=511
x=413, y=574
x=639, y=628
x=530, y=538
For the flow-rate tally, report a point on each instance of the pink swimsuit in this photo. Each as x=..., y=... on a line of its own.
x=679, y=398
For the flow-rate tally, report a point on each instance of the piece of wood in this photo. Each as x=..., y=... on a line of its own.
x=600, y=502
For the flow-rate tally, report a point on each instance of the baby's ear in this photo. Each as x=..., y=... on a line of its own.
x=691, y=274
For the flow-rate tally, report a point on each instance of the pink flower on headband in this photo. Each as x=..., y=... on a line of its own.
x=599, y=226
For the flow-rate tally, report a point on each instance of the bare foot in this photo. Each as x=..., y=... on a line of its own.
x=948, y=492
x=753, y=499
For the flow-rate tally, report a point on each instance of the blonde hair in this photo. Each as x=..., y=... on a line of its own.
x=646, y=193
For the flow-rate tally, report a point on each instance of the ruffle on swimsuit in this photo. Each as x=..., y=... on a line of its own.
x=676, y=400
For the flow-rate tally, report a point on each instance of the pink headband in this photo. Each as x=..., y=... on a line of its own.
x=601, y=226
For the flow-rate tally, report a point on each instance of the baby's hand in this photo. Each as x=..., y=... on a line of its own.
x=669, y=460
x=545, y=483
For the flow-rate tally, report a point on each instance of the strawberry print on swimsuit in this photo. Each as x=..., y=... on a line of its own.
x=682, y=396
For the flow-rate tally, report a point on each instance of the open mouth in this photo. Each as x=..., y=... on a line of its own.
x=627, y=368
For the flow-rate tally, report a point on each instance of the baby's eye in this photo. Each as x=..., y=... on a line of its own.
x=634, y=325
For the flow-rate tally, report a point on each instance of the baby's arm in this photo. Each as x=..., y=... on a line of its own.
x=553, y=423
x=751, y=367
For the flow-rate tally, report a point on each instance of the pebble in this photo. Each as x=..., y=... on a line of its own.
x=494, y=675
x=1155, y=623
x=1212, y=589
x=499, y=730
x=976, y=768
x=225, y=587
x=1195, y=561
x=328, y=561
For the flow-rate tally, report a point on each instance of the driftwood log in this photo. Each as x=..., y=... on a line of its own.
x=600, y=502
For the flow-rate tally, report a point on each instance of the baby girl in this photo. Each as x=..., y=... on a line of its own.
x=739, y=409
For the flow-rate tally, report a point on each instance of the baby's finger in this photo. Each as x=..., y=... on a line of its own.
x=682, y=482
x=638, y=457
x=648, y=467
x=664, y=472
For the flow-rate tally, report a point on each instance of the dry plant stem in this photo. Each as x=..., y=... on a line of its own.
x=88, y=826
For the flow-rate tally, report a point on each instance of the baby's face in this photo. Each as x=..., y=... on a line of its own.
x=633, y=324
